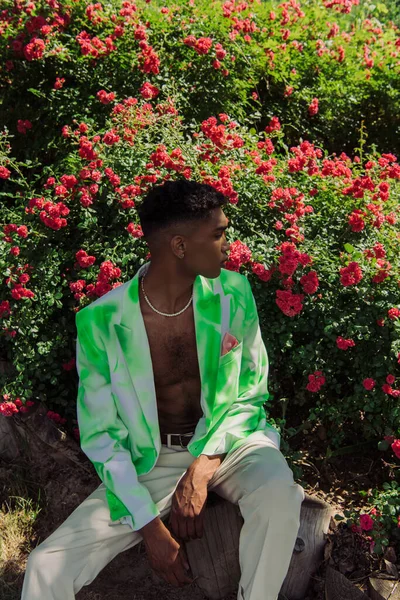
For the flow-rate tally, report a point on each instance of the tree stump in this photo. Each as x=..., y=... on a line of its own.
x=383, y=589
x=338, y=587
x=308, y=552
x=214, y=559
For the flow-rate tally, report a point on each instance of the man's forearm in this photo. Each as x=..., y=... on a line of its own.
x=200, y=472
x=152, y=529
x=204, y=466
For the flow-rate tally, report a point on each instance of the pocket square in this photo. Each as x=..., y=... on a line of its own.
x=228, y=343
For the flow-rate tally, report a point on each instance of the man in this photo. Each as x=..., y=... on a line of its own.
x=173, y=378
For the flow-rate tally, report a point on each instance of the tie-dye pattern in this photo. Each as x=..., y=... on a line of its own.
x=117, y=407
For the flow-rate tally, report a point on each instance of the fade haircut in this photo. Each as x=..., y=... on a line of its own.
x=177, y=203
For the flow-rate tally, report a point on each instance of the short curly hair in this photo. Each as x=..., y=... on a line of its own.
x=177, y=202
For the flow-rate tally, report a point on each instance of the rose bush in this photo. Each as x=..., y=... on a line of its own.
x=324, y=68
x=381, y=525
x=318, y=236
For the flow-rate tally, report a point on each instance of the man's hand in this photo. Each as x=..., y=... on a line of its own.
x=188, y=507
x=189, y=501
x=166, y=556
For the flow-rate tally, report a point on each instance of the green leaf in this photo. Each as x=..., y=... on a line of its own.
x=36, y=93
x=378, y=548
x=349, y=248
x=383, y=445
x=382, y=8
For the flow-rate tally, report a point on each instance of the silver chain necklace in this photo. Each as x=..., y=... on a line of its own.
x=158, y=311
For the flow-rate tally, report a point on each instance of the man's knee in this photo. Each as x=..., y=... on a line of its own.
x=279, y=494
x=37, y=559
x=266, y=464
x=41, y=565
x=46, y=575
x=283, y=497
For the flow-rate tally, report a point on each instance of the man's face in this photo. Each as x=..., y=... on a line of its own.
x=207, y=248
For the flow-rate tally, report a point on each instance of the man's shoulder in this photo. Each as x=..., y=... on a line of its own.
x=101, y=306
x=233, y=282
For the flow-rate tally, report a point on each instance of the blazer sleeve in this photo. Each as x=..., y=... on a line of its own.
x=246, y=414
x=104, y=438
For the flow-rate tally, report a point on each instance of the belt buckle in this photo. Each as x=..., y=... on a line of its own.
x=184, y=435
x=169, y=440
x=179, y=435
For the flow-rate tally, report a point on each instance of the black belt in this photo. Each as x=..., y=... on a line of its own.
x=177, y=439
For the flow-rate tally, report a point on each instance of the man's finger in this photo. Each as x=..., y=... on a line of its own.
x=176, y=525
x=172, y=579
x=181, y=573
x=184, y=557
x=182, y=529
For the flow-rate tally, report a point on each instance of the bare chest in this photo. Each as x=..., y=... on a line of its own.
x=173, y=349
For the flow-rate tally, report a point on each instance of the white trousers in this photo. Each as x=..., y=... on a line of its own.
x=255, y=476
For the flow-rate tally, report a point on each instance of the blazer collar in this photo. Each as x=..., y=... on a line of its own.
x=132, y=336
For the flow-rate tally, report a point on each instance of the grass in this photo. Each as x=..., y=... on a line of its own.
x=17, y=518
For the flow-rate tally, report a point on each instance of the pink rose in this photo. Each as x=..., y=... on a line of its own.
x=366, y=523
x=396, y=448
x=369, y=383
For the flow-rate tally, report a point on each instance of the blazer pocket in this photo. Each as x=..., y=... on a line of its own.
x=231, y=355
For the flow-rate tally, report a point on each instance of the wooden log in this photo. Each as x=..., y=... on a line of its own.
x=383, y=589
x=308, y=552
x=214, y=559
x=338, y=587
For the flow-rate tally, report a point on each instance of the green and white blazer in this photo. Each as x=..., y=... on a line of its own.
x=116, y=403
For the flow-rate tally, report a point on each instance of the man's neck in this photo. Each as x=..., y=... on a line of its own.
x=166, y=288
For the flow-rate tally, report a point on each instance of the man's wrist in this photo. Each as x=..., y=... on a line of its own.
x=148, y=531
x=205, y=466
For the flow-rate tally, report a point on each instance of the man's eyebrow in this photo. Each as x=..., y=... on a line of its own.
x=221, y=228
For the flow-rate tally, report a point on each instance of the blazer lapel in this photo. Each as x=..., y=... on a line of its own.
x=207, y=320
x=132, y=337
